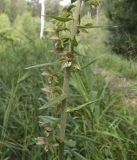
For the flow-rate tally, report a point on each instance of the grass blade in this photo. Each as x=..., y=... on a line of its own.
x=43, y=65
x=81, y=106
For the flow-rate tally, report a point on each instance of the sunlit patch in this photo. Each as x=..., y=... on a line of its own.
x=65, y=2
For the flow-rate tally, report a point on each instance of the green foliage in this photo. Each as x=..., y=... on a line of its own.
x=100, y=124
x=28, y=25
x=123, y=14
x=5, y=22
x=113, y=134
x=2, y=6
x=62, y=19
x=34, y=7
x=14, y=7
x=52, y=7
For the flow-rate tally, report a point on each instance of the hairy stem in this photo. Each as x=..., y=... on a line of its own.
x=64, y=114
x=76, y=18
x=66, y=86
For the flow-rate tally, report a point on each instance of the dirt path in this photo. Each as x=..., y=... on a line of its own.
x=127, y=87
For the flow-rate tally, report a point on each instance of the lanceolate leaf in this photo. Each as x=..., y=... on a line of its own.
x=91, y=62
x=44, y=64
x=90, y=25
x=25, y=76
x=84, y=138
x=74, y=42
x=47, y=119
x=53, y=103
x=78, y=156
x=83, y=30
x=62, y=19
x=81, y=106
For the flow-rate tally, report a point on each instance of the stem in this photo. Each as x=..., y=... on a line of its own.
x=76, y=18
x=64, y=115
x=63, y=119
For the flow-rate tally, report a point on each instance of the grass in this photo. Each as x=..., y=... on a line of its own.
x=104, y=129
x=97, y=46
x=20, y=98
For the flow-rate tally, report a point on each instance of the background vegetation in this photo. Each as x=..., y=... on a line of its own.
x=103, y=94
x=123, y=14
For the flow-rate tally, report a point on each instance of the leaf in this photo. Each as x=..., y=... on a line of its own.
x=70, y=7
x=25, y=76
x=106, y=109
x=78, y=83
x=105, y=133
x=54, y=38
x=74, y=42
x=70, y=143
x=44, y=64
x=10, y=144
x=52, y=103
x=50, y=75
x=83, y=30
x=81, y=106
x=95, y=2
x=72, y=1
x=90, y=25
x=62, y=19
x=94, y=60
x=84, y=138
x=62, y=29
x=47, y=119
x=78, y=156
x=76, y=66
x=50, y=30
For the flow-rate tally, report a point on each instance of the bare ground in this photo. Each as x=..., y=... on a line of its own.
x=127, y=87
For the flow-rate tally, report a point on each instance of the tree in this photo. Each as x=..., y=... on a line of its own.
x=2, y=6
x=42, y=2
x=34, y=7
x=52, y=7
x=4, y=21
x=12, y=8
x=123, y=14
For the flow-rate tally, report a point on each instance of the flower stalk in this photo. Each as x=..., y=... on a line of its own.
x=63, y=119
